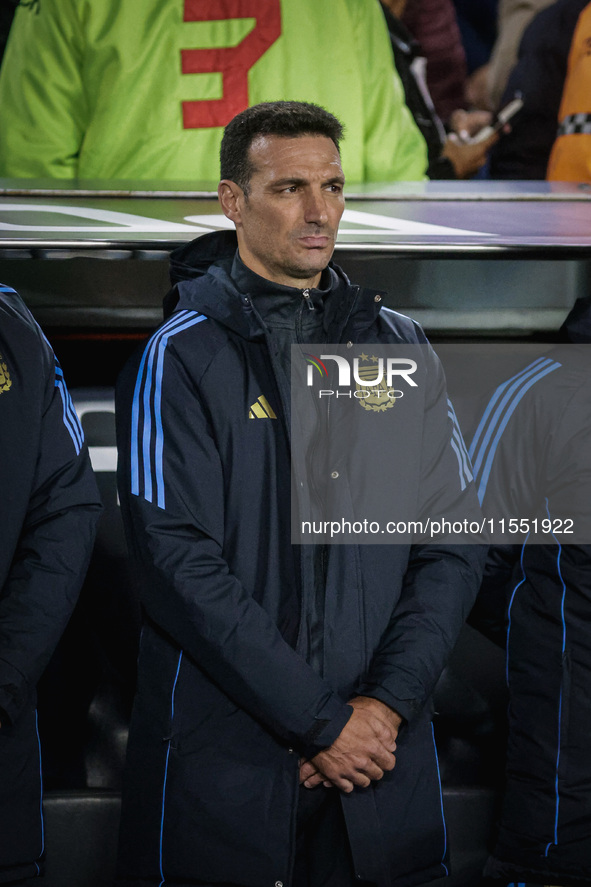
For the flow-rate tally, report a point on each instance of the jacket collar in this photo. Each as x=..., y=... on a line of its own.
x=201, y=273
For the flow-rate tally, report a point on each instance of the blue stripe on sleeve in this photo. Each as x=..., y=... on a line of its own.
x=140, y=384
x=514, y=380
x=517, y=396
x=158, y=455
x=148, y=417
x=147, y=431
x=459, y=448
x=70, y=416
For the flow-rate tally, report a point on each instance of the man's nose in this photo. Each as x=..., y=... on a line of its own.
x=315, y=208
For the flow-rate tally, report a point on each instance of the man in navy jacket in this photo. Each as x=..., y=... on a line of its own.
x=49, y=506
x=530, y=435
x=277, y=680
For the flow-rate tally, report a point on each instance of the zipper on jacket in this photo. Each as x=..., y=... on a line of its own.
x=309, y=302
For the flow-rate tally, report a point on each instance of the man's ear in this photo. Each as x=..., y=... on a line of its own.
x=231, y=197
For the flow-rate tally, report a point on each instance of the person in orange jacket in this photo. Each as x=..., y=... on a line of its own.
x=570, y=159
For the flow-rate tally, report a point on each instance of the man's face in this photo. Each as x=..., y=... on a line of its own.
x=287, y=225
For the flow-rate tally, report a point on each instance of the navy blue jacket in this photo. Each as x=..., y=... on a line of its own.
x=49, y=507
x=531, y=452
x=227, y=702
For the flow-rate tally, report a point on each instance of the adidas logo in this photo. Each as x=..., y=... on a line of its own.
x=261, y=409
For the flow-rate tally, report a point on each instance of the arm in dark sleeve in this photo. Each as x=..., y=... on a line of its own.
x=54, y=548
x=439, y=588
x=541, y=469
x=501, y=572
x=174, y=520
x=441, y=580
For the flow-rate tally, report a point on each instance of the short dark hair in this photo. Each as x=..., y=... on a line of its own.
x=284, y=119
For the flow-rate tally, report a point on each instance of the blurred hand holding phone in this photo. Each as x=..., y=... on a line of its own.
x=500, y=121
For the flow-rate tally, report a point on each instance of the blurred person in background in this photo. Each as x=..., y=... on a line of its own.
x=136, y=91
x=49, y=509
x=7, y=10
x=530, y=435
x=513, y=18
x=570, y=160
x=434, y=25
x=539, y=77
x=477, y=20
x=450, y=155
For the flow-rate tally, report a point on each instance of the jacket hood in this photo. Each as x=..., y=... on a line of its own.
x=195, y=258
x=211, y=255
x=218, y=297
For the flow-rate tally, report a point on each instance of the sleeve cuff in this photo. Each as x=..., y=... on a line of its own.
x=408, y=709
x=327, y=727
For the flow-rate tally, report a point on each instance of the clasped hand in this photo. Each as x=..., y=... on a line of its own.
x=362, y=752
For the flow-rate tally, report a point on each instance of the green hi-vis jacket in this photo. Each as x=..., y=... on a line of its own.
x=115, y=89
